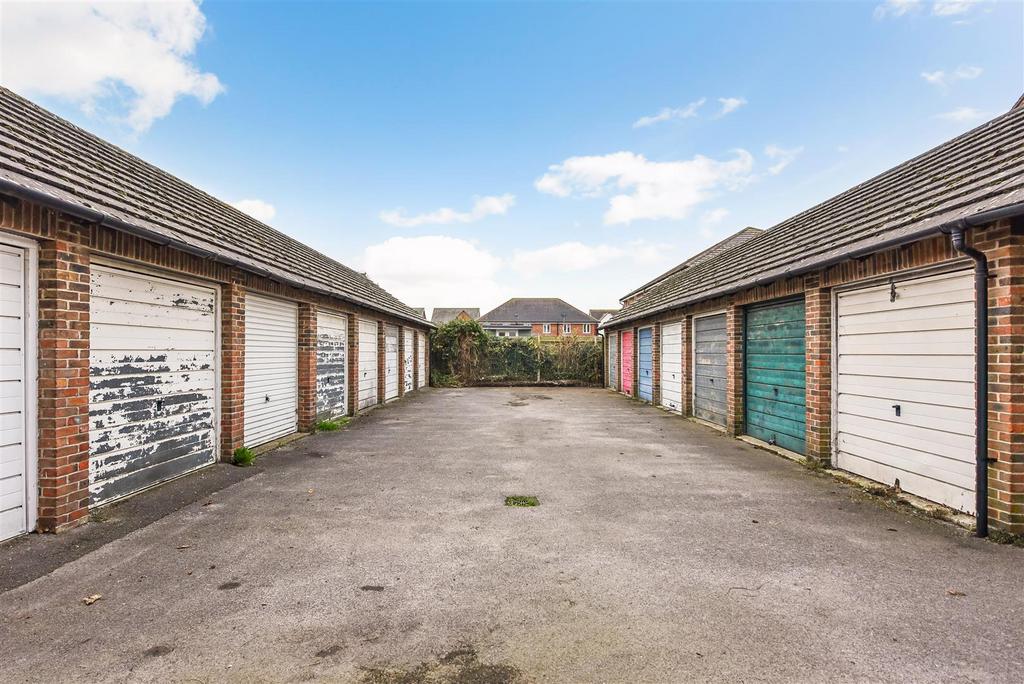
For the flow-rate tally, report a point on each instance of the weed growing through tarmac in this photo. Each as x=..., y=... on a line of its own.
x=331, y=425
x=522, y=501
x=244, y=456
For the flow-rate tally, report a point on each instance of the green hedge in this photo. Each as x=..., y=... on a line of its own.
x=463, y=354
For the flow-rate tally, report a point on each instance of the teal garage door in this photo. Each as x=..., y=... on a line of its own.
x=775, y=374
x=646, y=359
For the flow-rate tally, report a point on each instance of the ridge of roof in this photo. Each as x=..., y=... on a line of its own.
x=51, y=159
x=542, y=309
x=978, y=171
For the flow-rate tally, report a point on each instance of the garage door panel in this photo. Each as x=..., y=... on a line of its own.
x=271, y=369
x=367, y=363
x=774, y=406
x=645, y=358
x=331, y=366
x=927, y=293
x=153, y=379
x=943, y=418
x=927, y=342
x=938, y=392
x=941, y=469
x=775, y=374
x=778, y=346
x=792, y=395
x=952, y=368
x=390, y=362
x=421, y=351
x=933, y=441
x=407, y=360
x=672, y=366
x=626, y=362
x=935, y=317
x=613, y=360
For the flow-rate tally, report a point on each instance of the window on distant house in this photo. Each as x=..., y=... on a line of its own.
x=567, y=328
x=547, y=328
x=586, y=328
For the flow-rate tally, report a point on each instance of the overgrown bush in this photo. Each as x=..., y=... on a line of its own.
x=463, y=354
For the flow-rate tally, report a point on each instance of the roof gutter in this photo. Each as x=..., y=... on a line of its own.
x=101, y=219
x=975, y=220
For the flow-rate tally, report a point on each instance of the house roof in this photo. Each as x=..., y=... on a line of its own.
x=735, y=240
x=442, y=315
x=420, y=311
x=979, y=171
x=598, y=314
x=537, y=310
x=47, y=159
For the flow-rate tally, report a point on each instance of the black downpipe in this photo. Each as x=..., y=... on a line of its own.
x=958, y=236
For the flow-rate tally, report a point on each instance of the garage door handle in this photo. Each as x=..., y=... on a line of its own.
x=897, y=407
x=711, y=380
x=266, y=398
x=776, y=390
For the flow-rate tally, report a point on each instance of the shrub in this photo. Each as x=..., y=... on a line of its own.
x=331, y=425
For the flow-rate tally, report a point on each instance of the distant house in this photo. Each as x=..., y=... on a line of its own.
x=602, y=315
x=539, y=317
x=440, y=315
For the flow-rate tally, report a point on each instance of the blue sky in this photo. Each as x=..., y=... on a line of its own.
x=580, y=149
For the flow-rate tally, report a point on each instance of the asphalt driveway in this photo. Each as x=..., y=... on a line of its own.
x=661, y=551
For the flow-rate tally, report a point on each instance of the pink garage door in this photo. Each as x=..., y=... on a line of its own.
x=627, y=363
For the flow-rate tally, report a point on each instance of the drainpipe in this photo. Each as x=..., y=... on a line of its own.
x=958, y=236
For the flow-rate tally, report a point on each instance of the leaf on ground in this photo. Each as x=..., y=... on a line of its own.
x=91, y=599
x=955, y=592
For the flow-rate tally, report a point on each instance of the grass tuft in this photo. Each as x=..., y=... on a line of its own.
x=331, y=425
x=244, y=457
x=522, y=501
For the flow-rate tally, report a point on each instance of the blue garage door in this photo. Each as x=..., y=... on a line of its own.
x=775, y=363
x=646, y=365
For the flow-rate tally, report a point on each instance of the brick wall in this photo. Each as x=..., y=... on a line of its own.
x=537, y=330
x=818, y=369
x=232, y=368
x=307, y=367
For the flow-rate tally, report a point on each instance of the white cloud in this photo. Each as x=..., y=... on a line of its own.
x=944, y=80
x=648, y=189
x=961, y=114
x=435, y=270
x=572, y=257
x=257, y=208
x=130, y=61
x=668, y=113
x=782, y=157
x=951, y=8
x=730, y=104
x=490, y=205
x=713, y=217
x=896, y=8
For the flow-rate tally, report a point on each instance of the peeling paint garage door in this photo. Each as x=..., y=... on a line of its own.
x=613, y=360
x=14, y=457
x=645, y=356
x=905, y=386
x=271, y=369
x=331, y=366
x=672, y=366
x=421, y=349
x=152, y=380
x=390, y=362
x=367, y=363
x=775, y=371
x=709, y=368
x=626, y=359
x=407, y=362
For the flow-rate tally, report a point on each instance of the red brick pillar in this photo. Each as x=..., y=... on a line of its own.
x=307, y=366
x=656, y=364
x=818, y=370
x=1003, y=244
x=64, y=272
x=352, y=364
x=401, y=361
x=382, y=369
x=232, y=371
x=734, y=417
x=687, y=352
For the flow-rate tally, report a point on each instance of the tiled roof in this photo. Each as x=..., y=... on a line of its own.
x=43, y=154
x=537, y=310
x=444, y=314
x=979, y=171
x=735, y=240
x=600, y=313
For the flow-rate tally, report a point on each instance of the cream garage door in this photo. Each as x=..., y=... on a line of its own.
x=15, y=458
x=905, y=386
x=271, y=369
x=390, y=362
x=152, y=380
x=672, y=366
x=421, y=361
x=367, y=363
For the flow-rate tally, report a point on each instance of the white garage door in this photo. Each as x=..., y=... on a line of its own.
x=15, y=459
x=271, y=369
x=407, y=361
x=613, y=359
x=421, y=349
x=367, y=363
x=672, y=366
x=152, y=380
x=905, y=386
x=390, y=362
x=331, y=366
